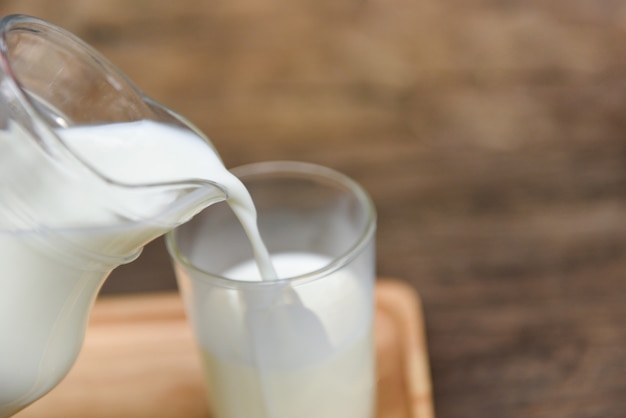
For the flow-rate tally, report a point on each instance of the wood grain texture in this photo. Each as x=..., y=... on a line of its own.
x=139, y=360
x=489, y=133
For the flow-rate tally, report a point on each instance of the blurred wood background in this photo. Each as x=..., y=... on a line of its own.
x=490, y=133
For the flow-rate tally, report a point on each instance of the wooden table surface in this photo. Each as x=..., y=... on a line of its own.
x=491, y=135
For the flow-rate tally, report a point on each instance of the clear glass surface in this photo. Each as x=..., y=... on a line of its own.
x=301, y=346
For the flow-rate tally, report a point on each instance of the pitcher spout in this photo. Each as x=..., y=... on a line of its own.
x=83, y=149
x=82, y=146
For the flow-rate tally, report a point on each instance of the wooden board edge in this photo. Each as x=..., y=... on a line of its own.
x=403, y=302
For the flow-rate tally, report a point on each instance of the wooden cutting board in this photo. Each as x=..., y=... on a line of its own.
x=139, y=360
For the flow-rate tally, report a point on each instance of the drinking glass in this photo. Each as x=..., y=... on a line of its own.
x=300, y=346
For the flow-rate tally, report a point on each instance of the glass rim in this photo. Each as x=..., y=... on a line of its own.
x=312, y=171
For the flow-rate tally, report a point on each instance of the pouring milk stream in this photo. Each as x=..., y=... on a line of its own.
x=82, y=193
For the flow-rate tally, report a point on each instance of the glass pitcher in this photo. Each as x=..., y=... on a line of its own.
x=62, y=227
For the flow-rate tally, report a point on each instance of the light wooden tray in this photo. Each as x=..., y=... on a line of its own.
x=139, y=360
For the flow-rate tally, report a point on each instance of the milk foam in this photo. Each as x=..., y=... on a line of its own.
x=286, y=264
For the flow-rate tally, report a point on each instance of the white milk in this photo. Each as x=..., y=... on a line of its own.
x=338, y=387
x=250, y=375
x=51, y=274
x=146, y=152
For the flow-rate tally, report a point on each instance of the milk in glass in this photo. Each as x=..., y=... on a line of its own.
x=329, y=381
